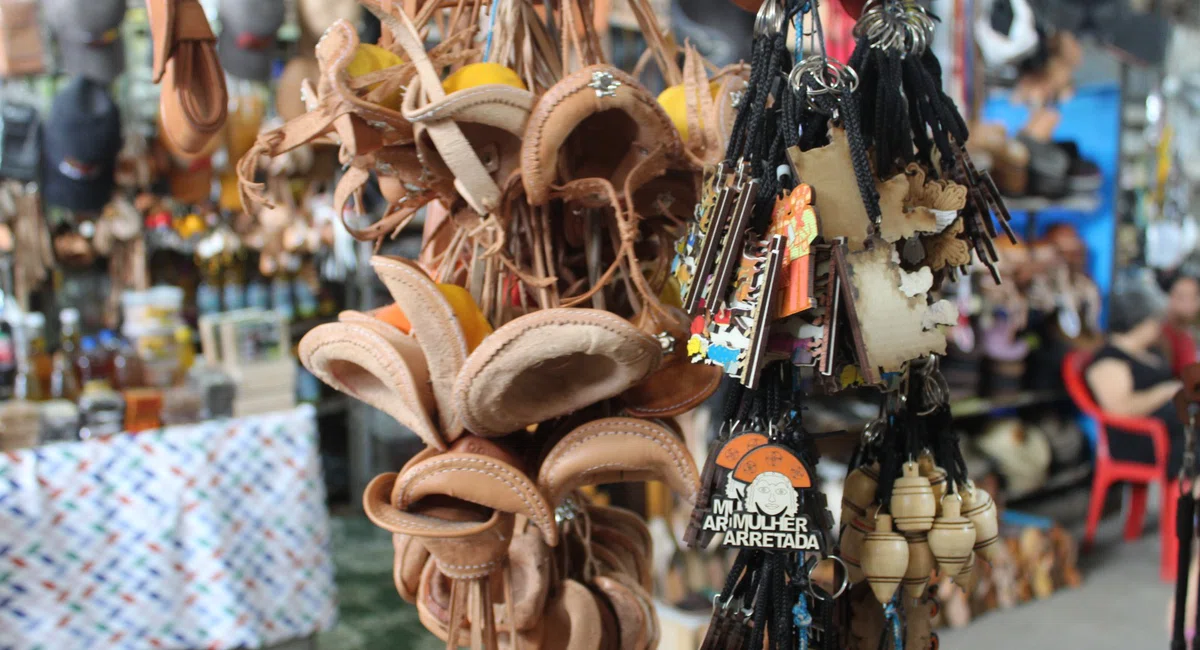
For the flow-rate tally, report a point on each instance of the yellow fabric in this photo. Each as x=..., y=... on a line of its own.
x=479, y=74
x=674, y=102
x=370, y=58
x=474, y=325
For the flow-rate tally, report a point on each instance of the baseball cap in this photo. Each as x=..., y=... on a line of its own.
x=89, y=36
x=80, y=145
x=247, y=45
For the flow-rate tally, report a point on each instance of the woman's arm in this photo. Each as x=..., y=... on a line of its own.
x=1111, y=382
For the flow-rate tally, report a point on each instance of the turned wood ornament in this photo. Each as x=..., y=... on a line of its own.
x=979, y=507
x=968, y=576
x=952, y=537
x=851, y=543
x=884, y=559
x=913, y=505
x=858, y=492
x=936, y=476
x=921, y=564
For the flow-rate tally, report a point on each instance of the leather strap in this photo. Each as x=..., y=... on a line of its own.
x=194, y=98
x=471, y=178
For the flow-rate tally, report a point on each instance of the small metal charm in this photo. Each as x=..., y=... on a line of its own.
x=604, y=83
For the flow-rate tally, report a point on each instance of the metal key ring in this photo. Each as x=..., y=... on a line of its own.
x=841, y=588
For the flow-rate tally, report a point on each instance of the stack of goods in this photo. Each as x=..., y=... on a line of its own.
x=97, y=385
x=595, y=262
x=252, y=347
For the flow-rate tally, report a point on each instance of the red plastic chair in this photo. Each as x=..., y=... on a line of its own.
x=1109, y=470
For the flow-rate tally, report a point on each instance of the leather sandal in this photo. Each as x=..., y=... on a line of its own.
x=550, y=363
x=374, y=362
x=604, y=112
x=612, y=450
x=194, y=100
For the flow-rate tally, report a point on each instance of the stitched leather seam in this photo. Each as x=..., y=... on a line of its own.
x=485, y=565
x=404, y=376
x=458, y=352
x=467, y=99
x=502, y=474
x=716, y=380
x=675, y=454
x=483, y=357
x=447, y=311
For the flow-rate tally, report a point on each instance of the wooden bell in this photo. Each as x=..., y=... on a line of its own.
x=884, y=559
x=921, y=564
x=967, y=576
x=851, y=543
x=913, y=505
x=936, y=476
x=858, y=492
x=979, y=507
x=951, y=537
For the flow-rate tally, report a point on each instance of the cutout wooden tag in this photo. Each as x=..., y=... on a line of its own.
x=795, y=219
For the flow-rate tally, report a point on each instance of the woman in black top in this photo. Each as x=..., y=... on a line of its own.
x=1128, y=377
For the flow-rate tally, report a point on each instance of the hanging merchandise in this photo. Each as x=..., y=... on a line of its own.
x=537, y=346
x=845, y=199
x=193, y=101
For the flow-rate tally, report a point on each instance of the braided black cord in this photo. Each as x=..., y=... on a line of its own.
x=918, y=118
x=781, y=633
x=758, y=67
x=791, y=119
x=858, y=154
x=933, y=67
x=734, y=581
x=762, y=607
x=934, y=114
x=757, y=145
x=734, y=390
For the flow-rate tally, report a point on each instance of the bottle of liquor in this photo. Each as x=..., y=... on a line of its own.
x=63, y=384
x=70, y=339
x=40, y=362
x=26, y=386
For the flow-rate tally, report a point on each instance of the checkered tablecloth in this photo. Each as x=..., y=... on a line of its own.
x=207, y=536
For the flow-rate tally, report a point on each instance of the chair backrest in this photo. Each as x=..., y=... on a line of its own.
x=1073, y=367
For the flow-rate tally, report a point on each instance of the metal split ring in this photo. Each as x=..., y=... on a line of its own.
x=845, y=584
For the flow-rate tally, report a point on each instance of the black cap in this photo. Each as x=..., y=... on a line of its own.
x=82, y=138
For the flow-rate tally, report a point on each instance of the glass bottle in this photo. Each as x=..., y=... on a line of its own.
x=40, y=362
x=126, y=366
x=26, y=386
x=85, y=369
x=63, y=384
x=107, y=346
x=70, y=341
